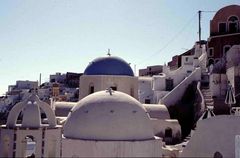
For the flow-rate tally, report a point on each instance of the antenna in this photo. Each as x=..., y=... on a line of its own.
x=40, y=79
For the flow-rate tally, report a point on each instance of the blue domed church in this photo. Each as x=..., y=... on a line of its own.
x=108, y=72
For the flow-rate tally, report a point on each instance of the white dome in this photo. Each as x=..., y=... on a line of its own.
x=31, y=111
x=108, y=115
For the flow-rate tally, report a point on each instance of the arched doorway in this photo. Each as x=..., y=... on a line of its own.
x=30, y=146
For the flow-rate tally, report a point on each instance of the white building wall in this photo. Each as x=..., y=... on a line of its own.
x=126, y=84
x=218, y=84
x=52, y=145
x=86, y=148
x=145, y=90
x=6, y=145
x=215, y=134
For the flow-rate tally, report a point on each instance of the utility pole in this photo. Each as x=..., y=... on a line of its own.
x=199, y=25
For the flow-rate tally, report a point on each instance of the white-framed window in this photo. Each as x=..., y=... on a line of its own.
x=233, y=24
x=211, y=52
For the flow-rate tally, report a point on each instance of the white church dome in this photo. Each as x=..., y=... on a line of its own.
x=31, y=113
x=108, y=115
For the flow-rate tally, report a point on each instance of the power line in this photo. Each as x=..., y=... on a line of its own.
x=171, y=40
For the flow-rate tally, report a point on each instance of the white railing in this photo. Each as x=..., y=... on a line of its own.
x=176, y=94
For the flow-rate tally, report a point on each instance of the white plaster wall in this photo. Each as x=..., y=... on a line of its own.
x=214, y=134
x=218, y=84
x=159, y=82
x=102, y=82
x=187, y=60
x=6, y=142
x=159, y=95
x=52, y=145
x=145, y=89
x=85, y=148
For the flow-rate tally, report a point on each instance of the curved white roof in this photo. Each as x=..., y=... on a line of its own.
x=63, y=108
x=31, y=112
x=108, y=115
x=157, y=111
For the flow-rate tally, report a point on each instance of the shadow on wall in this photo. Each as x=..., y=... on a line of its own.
x=184, y=110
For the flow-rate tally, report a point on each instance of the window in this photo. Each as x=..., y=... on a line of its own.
x=210, y=62
x=168, y=132
x=114, y=88
x=222, y=28
x=210, y=52
x=186, y=59
x=233, y=24
x=91, y=88
x=147, y=101
x=217, y=154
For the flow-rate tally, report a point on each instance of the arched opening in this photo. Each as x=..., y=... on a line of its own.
x=114, y=87
x=30, y=146
x=210, y=62
x=91, y=88
x=233, y=24
x=168, y=132
x=226, y=49
x=217, y=154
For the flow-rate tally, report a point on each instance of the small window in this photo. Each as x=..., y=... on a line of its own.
x=210, y=52
x=168, y=132
x=210, y=62
x=186, y=59
x=222, y=28
x=217, y=154
x=147, y=101
x=91, y=88
x=114, y=88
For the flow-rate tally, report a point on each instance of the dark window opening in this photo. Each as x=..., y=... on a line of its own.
x=210, y=62
x=233, y=27
x=169, y=84
x=91, y=89
x=210, y=52
x=168, y=132
x=217, y=155
x=114, y=88
x=147, y=101
x=222, y=27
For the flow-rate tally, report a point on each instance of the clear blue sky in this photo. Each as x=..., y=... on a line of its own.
x=49, y=36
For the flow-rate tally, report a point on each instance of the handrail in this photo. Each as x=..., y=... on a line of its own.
x=201, y=95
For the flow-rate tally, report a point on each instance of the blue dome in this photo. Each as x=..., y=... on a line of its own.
x=109, y=66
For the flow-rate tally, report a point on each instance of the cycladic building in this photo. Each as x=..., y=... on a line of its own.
x=108, y=72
